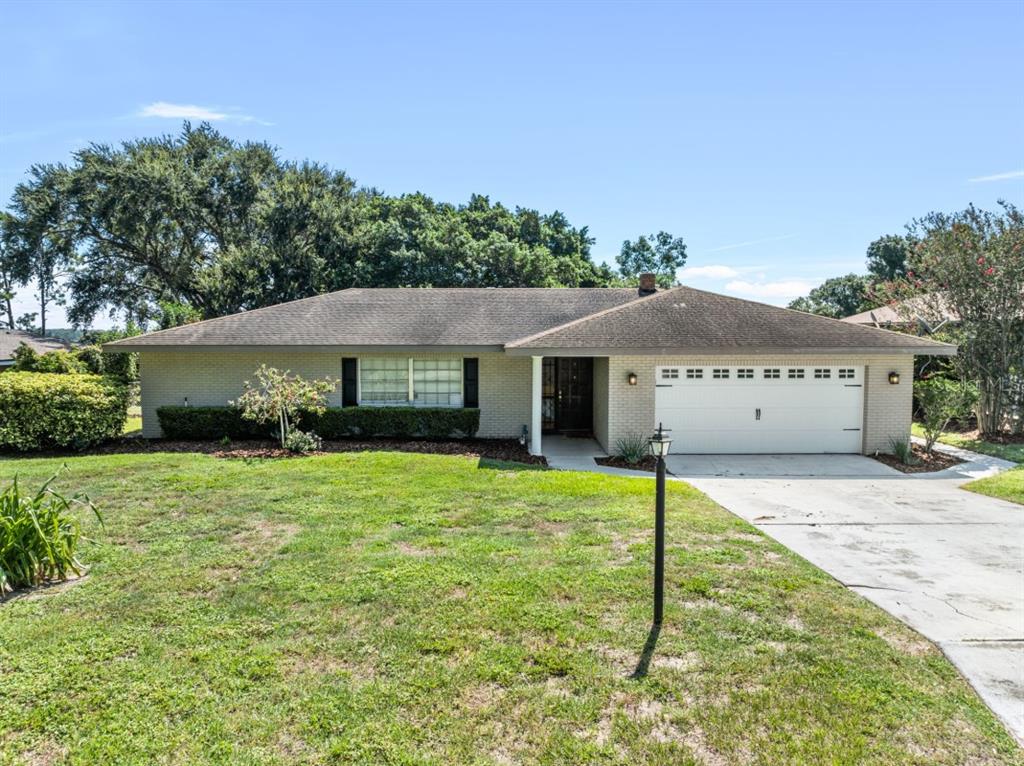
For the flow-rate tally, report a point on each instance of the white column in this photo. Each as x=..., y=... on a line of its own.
x=535, y=405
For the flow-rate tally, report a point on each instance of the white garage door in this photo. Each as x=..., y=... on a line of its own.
x=744, y=410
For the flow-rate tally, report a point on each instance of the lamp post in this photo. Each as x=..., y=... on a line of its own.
x=659, y=448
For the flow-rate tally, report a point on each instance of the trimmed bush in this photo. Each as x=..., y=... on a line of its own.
x=93, y=359
x=208, y=423
x=46, y=410
x=63, y=362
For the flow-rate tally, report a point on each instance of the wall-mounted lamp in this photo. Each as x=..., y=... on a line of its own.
x=186, y=401
x=894, y=378
x=631, y=378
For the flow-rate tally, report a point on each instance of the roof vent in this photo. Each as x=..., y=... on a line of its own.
x=647, y=284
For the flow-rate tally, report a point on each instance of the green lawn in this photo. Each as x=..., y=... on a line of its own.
x=1014, y=452
x=1008, y=485
x=386, y=608
x=133, y=425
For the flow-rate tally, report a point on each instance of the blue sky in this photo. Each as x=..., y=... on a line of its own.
x=777, y=139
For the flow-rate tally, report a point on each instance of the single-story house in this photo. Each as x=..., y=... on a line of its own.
x=11, y=339
x=922, y=316
x=726, y=375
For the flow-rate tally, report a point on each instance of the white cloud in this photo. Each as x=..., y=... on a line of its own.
x=708, y=272
x=782, y=290
x=168, y=111
x=748, y=243
x=997, y=177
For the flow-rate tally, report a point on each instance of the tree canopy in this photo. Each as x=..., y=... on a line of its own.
x=837, y=297
x=660, y=254
x=212, y=226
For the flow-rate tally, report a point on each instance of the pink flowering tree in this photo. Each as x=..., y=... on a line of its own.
x=282, y=398
x=970, y=265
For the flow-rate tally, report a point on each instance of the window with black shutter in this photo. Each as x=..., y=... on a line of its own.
x=349, y=382
x=470, y=382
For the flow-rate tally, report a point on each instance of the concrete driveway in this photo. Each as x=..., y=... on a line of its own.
x=944, y=560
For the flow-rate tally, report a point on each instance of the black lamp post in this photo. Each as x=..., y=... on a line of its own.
x=659, y=448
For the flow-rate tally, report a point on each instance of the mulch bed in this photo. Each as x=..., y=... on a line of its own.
x=926, y=463
x=649, y=463
x=509, y=450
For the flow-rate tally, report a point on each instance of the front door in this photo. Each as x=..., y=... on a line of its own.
x=574, y=400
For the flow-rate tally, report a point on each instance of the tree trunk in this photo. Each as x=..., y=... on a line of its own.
x=990, y=406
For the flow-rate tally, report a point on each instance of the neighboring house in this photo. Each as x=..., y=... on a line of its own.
x=726, y=375
x=11, y=339
x=914, y=314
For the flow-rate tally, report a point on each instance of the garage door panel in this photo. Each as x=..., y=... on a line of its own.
x=761, y=410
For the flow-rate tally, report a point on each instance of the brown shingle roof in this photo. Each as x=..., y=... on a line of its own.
x=687, y=320
x=525, y=320
x=11, y=339
x=395, y=317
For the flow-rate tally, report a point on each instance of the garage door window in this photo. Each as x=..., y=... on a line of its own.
x=696, y=374
x=773, y=373
x=823, y=374
x=796, y=374
x=720, y=374
x=745, y=373
x=846, y=373
x=669, y=374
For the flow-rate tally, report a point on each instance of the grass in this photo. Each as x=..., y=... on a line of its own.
x=386, y=608
x=1013, y=452
x=133, y=425
x=1008, y=485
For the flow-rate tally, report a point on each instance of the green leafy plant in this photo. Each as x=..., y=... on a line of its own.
x=93, y=358
x=941, y=400
x=903, y=449
x=62, y=362
x=283, y=398
x=632, y=448
x=39, y=535
x=302, y=441
x=25, y=358
x=44, y=411
x=213, y=423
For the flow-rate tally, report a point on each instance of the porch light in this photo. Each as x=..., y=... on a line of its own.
x=660, y=443
x=659, y=448
x=894, y=378
x=631, y=378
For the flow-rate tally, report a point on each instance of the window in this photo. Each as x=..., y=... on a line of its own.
x=795, y=373
x=437, y=382
x=721, y=374
x=695, y=373
x=823, y=373
x=745, y=373
x=773, y=373
x=847, y=373
x=670, y=373
x=384, y=380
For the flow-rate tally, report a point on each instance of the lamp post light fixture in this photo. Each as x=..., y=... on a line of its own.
x=659, y=448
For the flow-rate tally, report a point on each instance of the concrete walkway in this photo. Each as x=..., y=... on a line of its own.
x=948, y=562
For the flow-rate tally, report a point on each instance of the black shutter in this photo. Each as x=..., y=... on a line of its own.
x=349, y=382
x=470, y=382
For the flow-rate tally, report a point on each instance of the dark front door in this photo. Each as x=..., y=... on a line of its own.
x=574, y=395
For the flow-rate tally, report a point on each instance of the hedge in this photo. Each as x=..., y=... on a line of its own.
x=40, y=410
x=335, y=423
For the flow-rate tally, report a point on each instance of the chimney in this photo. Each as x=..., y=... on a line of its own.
x=647, y=284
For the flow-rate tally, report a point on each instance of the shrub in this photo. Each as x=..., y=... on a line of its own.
x=25, y=358
x=903, y=450
x=39, y=535
x=43, y=410
x=302, y=441
x=632, y=448
x=941, y=400
x=93, y=359
x=62, y=362
x=282, y=398
x=211, y=423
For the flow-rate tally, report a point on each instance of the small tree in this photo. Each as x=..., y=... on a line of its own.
x=278, y=396
x=941, y=400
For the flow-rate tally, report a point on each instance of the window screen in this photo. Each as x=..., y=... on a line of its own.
x=384, y=380
x=437, y=382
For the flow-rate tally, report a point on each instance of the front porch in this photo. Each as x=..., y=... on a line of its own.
x=568, y=405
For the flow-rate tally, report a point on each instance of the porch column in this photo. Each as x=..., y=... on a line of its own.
x=535, y=405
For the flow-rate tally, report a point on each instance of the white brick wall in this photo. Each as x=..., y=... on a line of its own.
x=887, y=408
x=215, y=378
x=601, y=401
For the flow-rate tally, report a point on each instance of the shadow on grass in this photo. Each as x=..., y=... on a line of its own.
x=490, y=464
x=648, y=652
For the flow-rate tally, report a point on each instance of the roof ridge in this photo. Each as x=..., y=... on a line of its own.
x=588, y=317
x=819, y=316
